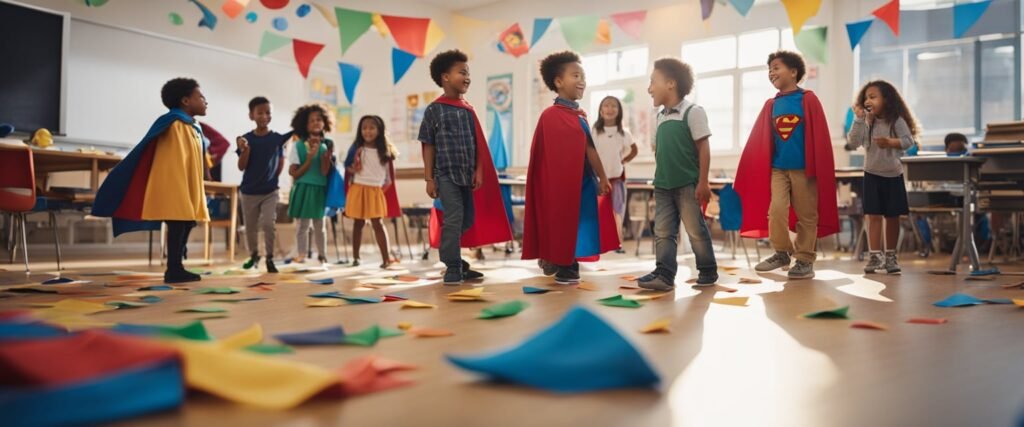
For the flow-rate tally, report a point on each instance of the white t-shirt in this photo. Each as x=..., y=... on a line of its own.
x=612, y=147
x=373, y=173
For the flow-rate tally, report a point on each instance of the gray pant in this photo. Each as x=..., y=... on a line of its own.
x=260, y=213
x=302, y=238
x=457, y=202
x=671, y=206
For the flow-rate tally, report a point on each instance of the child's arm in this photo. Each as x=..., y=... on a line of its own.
x=858, y=130
x=243, y=153
x=904, y=137
x=632, y=153
x=429, y=153
x=327, y=158
x=296, y=170
x=704, y=157
x=595, y=163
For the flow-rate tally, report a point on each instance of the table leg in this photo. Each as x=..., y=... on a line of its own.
x=94, y=177
x=206, y=243
x=234, y=223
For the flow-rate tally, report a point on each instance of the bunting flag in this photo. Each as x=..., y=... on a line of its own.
x=742, y=6
x=856, y=31
x=272, y=42
x=233, y=8
x=540, y=26
x=890, y=14
x=305, y=52
x=513, y=42
x=434, y=37
x=380, y=26
x=604, y=32
x=350, y=74
x=706, y=6
x=497, y=144
x=579, y=31
x=352, y=24
x=469, y=32
x=813, y=43
x=400, y=63
x=326, y=13
x=209, y=20
x=410, y=34
x=631, y=23
x=965, y=15
x=800, y=11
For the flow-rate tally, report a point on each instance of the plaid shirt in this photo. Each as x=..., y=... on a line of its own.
x=453, y=134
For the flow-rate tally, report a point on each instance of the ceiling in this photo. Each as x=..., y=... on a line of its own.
x=459, y=5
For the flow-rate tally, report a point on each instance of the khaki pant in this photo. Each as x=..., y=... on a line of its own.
x=793, y=187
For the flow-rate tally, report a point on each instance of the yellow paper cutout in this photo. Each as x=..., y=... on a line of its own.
x=474, y=294
x=434, y=37
x=405, y=326
x=328, y=13
x=604, y=32
x=644, y=297
x=660, y=325
x=416, y=304
x=380, y=25
x=737, y=301
x=1018, y=302
x=800, y=11
x=75, y=322
x=587, y=287
x=249, y=336
x=325, y=302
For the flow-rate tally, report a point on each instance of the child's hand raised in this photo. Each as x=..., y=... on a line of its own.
x=859, y=112
x=242, y=143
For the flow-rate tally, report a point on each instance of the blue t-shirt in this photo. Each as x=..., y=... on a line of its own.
x=788, y=131
x=265, y=153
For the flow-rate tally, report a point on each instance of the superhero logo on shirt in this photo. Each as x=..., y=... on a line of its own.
x=785, y=124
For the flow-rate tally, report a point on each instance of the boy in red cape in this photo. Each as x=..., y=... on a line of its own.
x=564, y=221
x=458, y=169
x=786, y=176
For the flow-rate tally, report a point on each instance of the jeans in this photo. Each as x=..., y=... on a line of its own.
x=457, y=202
x=671, y=206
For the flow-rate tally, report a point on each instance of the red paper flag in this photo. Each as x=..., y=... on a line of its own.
x=631, y=23
x=890, y=14
x=305, y=52
x=410, y=34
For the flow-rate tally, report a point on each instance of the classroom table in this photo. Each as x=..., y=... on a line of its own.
x=953, y=169
x=854, y=177
x=50, y=161
x=214, y=188
x=1001, y=179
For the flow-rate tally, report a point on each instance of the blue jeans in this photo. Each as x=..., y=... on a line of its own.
x=671, y=206
x=457, y=203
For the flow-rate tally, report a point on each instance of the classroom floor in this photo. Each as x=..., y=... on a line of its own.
x=761, y=364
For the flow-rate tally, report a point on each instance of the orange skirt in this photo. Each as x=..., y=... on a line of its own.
x=365, y=202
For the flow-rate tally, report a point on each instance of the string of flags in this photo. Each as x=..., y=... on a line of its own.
x=965, y=15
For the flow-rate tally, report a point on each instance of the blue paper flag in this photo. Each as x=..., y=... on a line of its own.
x=400, y=63
x=326, y=336
x=303, y=10
x=965, y=15
x=156, y=288
x=209, y=20
x=280, y=23
x=959, y=300
x=327, y=281
x=856, y=31
x=151, y=299
x=998, y=301
x=533, y=290
x=591, y=355
x=848, y=122
x=540, y=26
x=730, y=214
x=497, y=144
x=349, y=298
x=350, y=74
x=58, y=280
x=742, y=6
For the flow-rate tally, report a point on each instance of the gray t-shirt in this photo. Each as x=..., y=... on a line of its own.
x=877, y=160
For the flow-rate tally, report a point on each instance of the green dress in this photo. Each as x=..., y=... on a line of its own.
x=308, y=197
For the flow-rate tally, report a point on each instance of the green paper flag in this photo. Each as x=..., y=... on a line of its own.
x=505, y=309
x=272, y=42
x=269, y=349
x=191, y=331
x=203, y=310
x=218, y=291
x=579, y=31
x=390, y=332
x=620, y=301
x=813, y=43
x=366, y=337
x=351, y=25
x=836, y=313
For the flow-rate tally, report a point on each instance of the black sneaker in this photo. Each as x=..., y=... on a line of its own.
x=707, y=277
x=655, y=282
x=620, y=251
x=567, y=276
x=548, y=268
x=271, y=268
x=180, y=275
x=453, y=277
x=468, y=274
x=648, y=277
x=253, y=260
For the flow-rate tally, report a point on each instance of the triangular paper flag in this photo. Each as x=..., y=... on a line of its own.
x=604, y=32
x=890, y=14
x=410, y=34
x=325, y=302
x=579, y=31
x=540, y=26
x=209, y=20
x=326, y=12
x=250, y=336
x=660, y=325
x=856, y=31
x=513, y=42
x=631, y=23
x=959, y=300
x=737, y=301
x=742, y=6
x=927, y=321
x=190, y=331
x=799, y=11
x=601, y=358
x=965, y=15
x=364, y=338
x=305, y=52
x=434, y=37
x=620, y=301
x=706, y=7
x=233, y=8
x=497, y=144
x=271, y=42
x=864, y=324
x=400, y=63
x=533, y=290
x=416, y=304
x=350, y=74
x=380, y=26
x=371, y=374
x=836, y=313
x=506, y=309
x=326, y=336
x=352, y=24
x=813, y=43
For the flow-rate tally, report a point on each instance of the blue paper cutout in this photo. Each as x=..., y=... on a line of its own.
x=856, y=31
x=326, y=336
x=965, y=15
x=400, y=63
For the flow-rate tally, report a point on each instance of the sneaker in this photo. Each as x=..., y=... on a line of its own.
x=891, y=266
x=648, y=277
x=548, y=268
x=802, y=270
x=453, y=277
x=468, y=274
x=180, y=275
x=271, y=268
x=567, y=276
x=707, y=278
x=655, y=282
x=253, y=259
x=620, y=251
x=874, y=263
x=779, y=260
x=355, y=262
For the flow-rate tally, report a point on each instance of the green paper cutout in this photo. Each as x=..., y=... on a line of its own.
x=352, y=24
x=269, y=349
x=218, y=291
x=620, y=301
x=236, y=300
x=813, y=43
x=366, y=337
x=836, y=313
x=390, y=332
x=506, y=309
x=579, y=31
x=203, y=310
x=271, y=42
x=175, y=19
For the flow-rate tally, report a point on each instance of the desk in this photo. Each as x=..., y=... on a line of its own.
x=213, y=188
x=854, y=177
x=49, y=161
x=1002, y=177
x=953, y=169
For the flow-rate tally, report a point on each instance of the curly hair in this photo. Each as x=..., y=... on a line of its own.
x=443, y=62
x=552, y=66
x=301, y=119
x=677, y=71
x=176, y=89
x=792, y=60
x=895, y=107
x=385, y=150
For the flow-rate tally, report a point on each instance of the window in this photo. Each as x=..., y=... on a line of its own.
x=715, y=94
x=711, y=55
x=997, y=71
x=940, y=89
x=616, y=65
x=622, y=73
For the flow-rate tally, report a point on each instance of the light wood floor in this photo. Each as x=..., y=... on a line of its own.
x=720, y=365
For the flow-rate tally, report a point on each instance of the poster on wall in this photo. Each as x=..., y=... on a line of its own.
x=321, y=91
x=499, y=119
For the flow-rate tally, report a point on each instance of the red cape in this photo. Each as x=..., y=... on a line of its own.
x=490, y=223
x=753, y=175
x=553, y=182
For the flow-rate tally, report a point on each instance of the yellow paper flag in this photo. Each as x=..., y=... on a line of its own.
x=800, y=11
x=434, y=37
x=251, y=335
x=416, y=304
x=1018, y=302
x=660, y=325
x=327, y=12
x=737, y=301
x=325, y=302
x=380, y=25
x=587, y=287
x=474, y=294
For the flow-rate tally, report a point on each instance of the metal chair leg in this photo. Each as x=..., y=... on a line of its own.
x=56, y=238
x=334, y=235
x=746, y=255
x=405, y=232
x=24, y=241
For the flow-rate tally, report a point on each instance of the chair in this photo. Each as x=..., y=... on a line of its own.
x=18, y=196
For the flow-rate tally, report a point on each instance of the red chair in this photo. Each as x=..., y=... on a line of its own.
x=18, y=195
